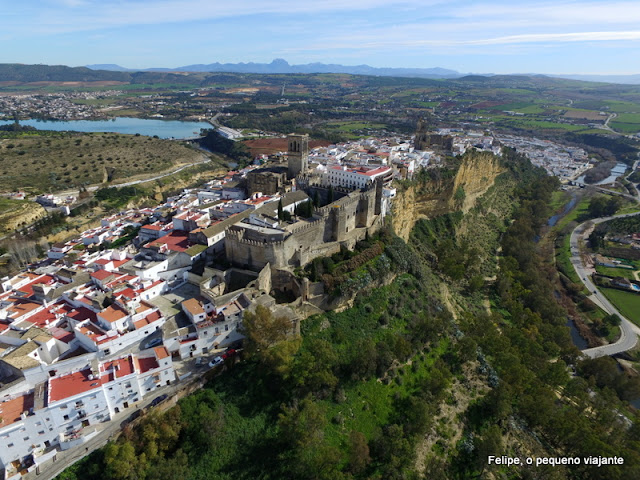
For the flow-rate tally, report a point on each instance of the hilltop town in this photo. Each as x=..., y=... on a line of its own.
x=117, y=315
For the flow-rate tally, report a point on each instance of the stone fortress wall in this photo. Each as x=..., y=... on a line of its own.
x=343, y=222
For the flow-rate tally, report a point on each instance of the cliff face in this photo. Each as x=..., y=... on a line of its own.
x=477, y=173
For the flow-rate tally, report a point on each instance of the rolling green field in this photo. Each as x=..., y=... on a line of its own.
x=627, y=302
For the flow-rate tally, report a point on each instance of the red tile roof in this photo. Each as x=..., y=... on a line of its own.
x=118, y=368
x=176, y=241
x=152, y=227
x=82, y=313
x=147, y=363
x=22, y=307
x=101, y=274
x=161, y=352
x=149, y=319
x=113, y=313
x=42, y=318
x=193, y=306
x=10, y=410
x=71, y=385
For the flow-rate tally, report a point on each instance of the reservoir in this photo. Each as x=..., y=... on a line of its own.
x=150, y=127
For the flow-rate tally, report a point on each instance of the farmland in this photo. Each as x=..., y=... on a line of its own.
x=43, y=162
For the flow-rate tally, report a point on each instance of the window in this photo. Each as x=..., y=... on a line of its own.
x=66, y=417
x=26, y=439
x=41, y=432
x=10, y=445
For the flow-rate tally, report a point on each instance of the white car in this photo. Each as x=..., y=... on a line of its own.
x=216, y=361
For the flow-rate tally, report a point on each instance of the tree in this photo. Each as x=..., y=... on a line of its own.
x=270, y=340
x=280, y=210
x=359, y=456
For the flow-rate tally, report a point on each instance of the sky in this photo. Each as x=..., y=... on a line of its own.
x=479, y=36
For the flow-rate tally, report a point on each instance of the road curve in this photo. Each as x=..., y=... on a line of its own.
x=628, y=331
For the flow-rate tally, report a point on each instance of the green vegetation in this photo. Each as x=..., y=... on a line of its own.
x=627, y=302
x=396, y=380
x=616, y=272
x=42, y=162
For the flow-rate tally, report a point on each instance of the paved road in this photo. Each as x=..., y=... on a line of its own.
x=628, y=331
x=93, y=188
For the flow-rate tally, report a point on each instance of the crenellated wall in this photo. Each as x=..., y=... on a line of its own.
x=344, y=221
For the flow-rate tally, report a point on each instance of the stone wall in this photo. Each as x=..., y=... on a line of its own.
x=344, y=221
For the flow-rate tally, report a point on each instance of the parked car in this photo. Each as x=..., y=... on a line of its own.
x=152, y=343
x=216, y=361
x=229, y=353
x=158, y=400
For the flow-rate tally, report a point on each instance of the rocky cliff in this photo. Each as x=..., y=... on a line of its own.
x=476, y=174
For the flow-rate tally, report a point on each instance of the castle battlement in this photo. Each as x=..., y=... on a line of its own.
x=255, y=243
x=306, y=226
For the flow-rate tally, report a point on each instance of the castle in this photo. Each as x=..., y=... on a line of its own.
x=349, y=211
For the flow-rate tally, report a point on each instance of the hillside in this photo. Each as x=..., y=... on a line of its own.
x=432, y=370
x=40, y=162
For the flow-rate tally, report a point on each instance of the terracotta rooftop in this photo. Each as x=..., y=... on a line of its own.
x=10, y=410
x=152, y=226
x=70, y=385
x=161, y=352
x=176, y=241
x=22, y=307
x=193, y=306
x=43, y=318
x=147, y=363
x=149, y=319
x=82, y=313
x=101, y=274
x=113, y=313
x=118, y=368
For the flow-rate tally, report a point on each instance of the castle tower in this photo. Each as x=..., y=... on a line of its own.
x=298, y=154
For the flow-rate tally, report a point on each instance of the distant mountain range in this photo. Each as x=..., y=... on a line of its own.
x=282, y=66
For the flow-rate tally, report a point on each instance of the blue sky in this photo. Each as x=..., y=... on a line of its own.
x=516, y=36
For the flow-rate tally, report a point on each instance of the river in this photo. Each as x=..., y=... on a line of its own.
x=567, y=208
x=150, y=127
x=616, y=172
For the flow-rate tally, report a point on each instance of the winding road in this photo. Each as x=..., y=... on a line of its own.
x=628, y=331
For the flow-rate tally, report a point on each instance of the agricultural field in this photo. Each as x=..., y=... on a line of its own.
x=53, y=162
